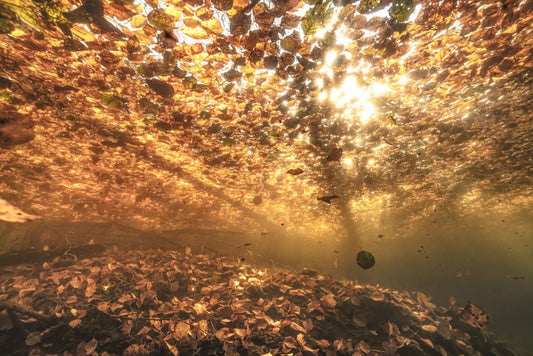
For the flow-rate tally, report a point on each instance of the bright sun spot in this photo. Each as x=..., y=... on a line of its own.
x=354, y=99
x=347, y=161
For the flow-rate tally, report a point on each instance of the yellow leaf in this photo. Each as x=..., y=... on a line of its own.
x=427, y=342
x=429, y=328
x=181, y=330
x=138, y=21
x=212, y=25
x=198, y=33
x=74, y=323
x=328, y=301
x=173, y=349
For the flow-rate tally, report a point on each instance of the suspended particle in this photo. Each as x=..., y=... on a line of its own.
x=365, y=260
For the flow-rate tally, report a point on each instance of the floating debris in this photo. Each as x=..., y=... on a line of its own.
x=328, y=198
x=365, y=259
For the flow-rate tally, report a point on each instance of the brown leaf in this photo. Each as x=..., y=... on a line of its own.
x=427, y=342
x=295, y=171
x=328, y=198
x=377, y=296
x=103, y=306
x=222, y=5
x=240, y=24
x=200, y=309
x=262, y=16
x=308, y=324
x=423, y=300
x=181, y=330
x=222, y=333
x=323, y=343
x=203, y=327
x=270, y=62
x=91, y=287
x=5, y=321
x=291, y=43
x=355, y=300
x=289, y=343
x=335, y=154
x=33, y=338
x=474, y=316
x=74, y=323
x=172, y=348
x=232, y=75
x=91, y=346
x=241, y=332
x=297, y=327
x=290, y=20
x=136, y=350
x=359, y=321
x=160, y=87
x=127, y=326
x=363, y=346
x=71, y=299
x=328, y=301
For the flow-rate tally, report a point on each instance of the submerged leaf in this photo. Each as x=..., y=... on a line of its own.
x=295, y=171
x=474, y=316
x=335, y=154
x=328, y=198
x=365, y=259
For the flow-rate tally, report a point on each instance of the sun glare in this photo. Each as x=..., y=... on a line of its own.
x=353, y=98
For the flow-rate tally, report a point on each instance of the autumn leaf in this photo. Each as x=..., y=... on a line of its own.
x=222, y=5
x=161, y=20
x=295, y=171
x=160, y=87
x=328, y=198
x=291, y=43
x=429, y=328
x=335, y=154
x=474, y=316
x=328, y=301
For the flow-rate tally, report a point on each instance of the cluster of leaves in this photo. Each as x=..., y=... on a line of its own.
x=180, y=303
x=213, y=104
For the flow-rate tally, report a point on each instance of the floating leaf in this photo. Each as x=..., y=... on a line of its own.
x=335, y=154
x=291, y=43
x=111, y=99
x=295, y=171
x=160, y=87
x=309, y=26
x=240, y=24
x=367, y=6
x=401, y=10
x=189, y=82
x=161, y=20
x=222, y=5
x=328, y=198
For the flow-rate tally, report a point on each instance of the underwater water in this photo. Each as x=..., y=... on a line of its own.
x=238, y=177
x=485, y=261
